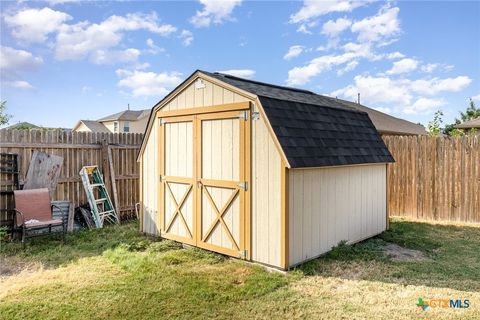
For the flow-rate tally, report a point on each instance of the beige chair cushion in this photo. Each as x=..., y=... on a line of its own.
x=43, y=223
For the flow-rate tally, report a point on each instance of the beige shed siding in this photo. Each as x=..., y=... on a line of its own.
x=265, y=165
x=328, y=205
x=150, y=182
x=266, y=196
x=210, y=95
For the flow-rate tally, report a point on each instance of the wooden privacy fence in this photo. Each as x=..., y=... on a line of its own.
x=79, y=149
x=434, y=178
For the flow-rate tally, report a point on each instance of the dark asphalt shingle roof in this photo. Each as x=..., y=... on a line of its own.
x=314, y=130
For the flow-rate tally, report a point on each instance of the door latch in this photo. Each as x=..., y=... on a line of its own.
x=243, y=185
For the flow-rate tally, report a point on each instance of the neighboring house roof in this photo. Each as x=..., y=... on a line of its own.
x=386, y=124
x=93, y=126
x=314, y=130
x=474, y=123
x=127, y=115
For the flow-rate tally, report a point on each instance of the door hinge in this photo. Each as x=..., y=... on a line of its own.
x=243, y=185
x=162, y=121
x=243, y=115
x=242, y=254
x=160, y=177
x=255, y=116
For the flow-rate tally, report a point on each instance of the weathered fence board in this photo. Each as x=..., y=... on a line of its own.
x=79, y=149
x=434, y=178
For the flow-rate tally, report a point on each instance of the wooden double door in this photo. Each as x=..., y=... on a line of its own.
x=204, y=181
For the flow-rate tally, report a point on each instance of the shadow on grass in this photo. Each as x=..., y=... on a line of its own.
x=453, y=257
x=50, y=251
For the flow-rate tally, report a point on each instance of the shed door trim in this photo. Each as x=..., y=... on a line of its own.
x=199, y=229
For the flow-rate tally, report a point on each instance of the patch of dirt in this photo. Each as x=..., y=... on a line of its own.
x=398, y=253
x=10, y=266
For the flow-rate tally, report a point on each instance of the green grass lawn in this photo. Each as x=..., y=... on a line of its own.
x=118, y=273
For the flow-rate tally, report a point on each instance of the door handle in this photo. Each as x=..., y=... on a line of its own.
x=199, y=184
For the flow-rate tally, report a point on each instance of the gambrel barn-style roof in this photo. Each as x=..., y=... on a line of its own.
x=312, y=130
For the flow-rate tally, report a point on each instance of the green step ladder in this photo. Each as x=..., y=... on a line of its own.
x=102, y=207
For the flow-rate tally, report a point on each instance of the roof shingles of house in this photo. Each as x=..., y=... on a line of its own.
x=126, y=115
x=474, y=123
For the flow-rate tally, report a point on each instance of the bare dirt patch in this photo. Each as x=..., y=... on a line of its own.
x=398, y=253
x=13, y=265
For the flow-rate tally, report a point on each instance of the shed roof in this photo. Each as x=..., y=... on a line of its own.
x=474, y=123
x=314, y=130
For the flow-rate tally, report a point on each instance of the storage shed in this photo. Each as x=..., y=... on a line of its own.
x=261, y=172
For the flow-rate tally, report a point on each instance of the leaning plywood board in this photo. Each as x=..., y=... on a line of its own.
x=43, y=171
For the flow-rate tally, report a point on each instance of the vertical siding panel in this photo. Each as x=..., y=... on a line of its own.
x=208, y=94
x=227, y=96
x=328, y=205
x=217, y=95
x=298, y=209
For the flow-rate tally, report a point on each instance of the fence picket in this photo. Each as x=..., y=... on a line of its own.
x=434, y=178
x=69, y=146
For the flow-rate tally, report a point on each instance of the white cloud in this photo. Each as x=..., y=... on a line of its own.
x=477, y=97
x=334, y=28
x=380, y=27
x=436, y=85
x=353, y=52
x=242, y=73
x=301, y=75
x=312, y=9
x=214, y=11
x=349, y=67
x=305, y=27
x=293, y=51
x=143, y=83
x=86, y=89
x=34, y=25
x=187, y=37
x=403, y=66
x=429, y=67
x=12, y=63
x=18, y=84
x=18, y=60
x=395, y=55
x=114, y=56
x=153, y=48
x=424, y=105
x=401, y=92
x=376, y=90
x=85, y=39
x=55, y=2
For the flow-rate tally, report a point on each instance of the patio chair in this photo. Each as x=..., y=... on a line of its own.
x=34, y=211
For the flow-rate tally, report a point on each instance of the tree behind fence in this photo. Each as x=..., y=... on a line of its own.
x=78, y=149
x=434, y=178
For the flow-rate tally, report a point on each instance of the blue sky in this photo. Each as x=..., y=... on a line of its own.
x=62, y=61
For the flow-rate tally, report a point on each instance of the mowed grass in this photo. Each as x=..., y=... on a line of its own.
x=117, y=273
